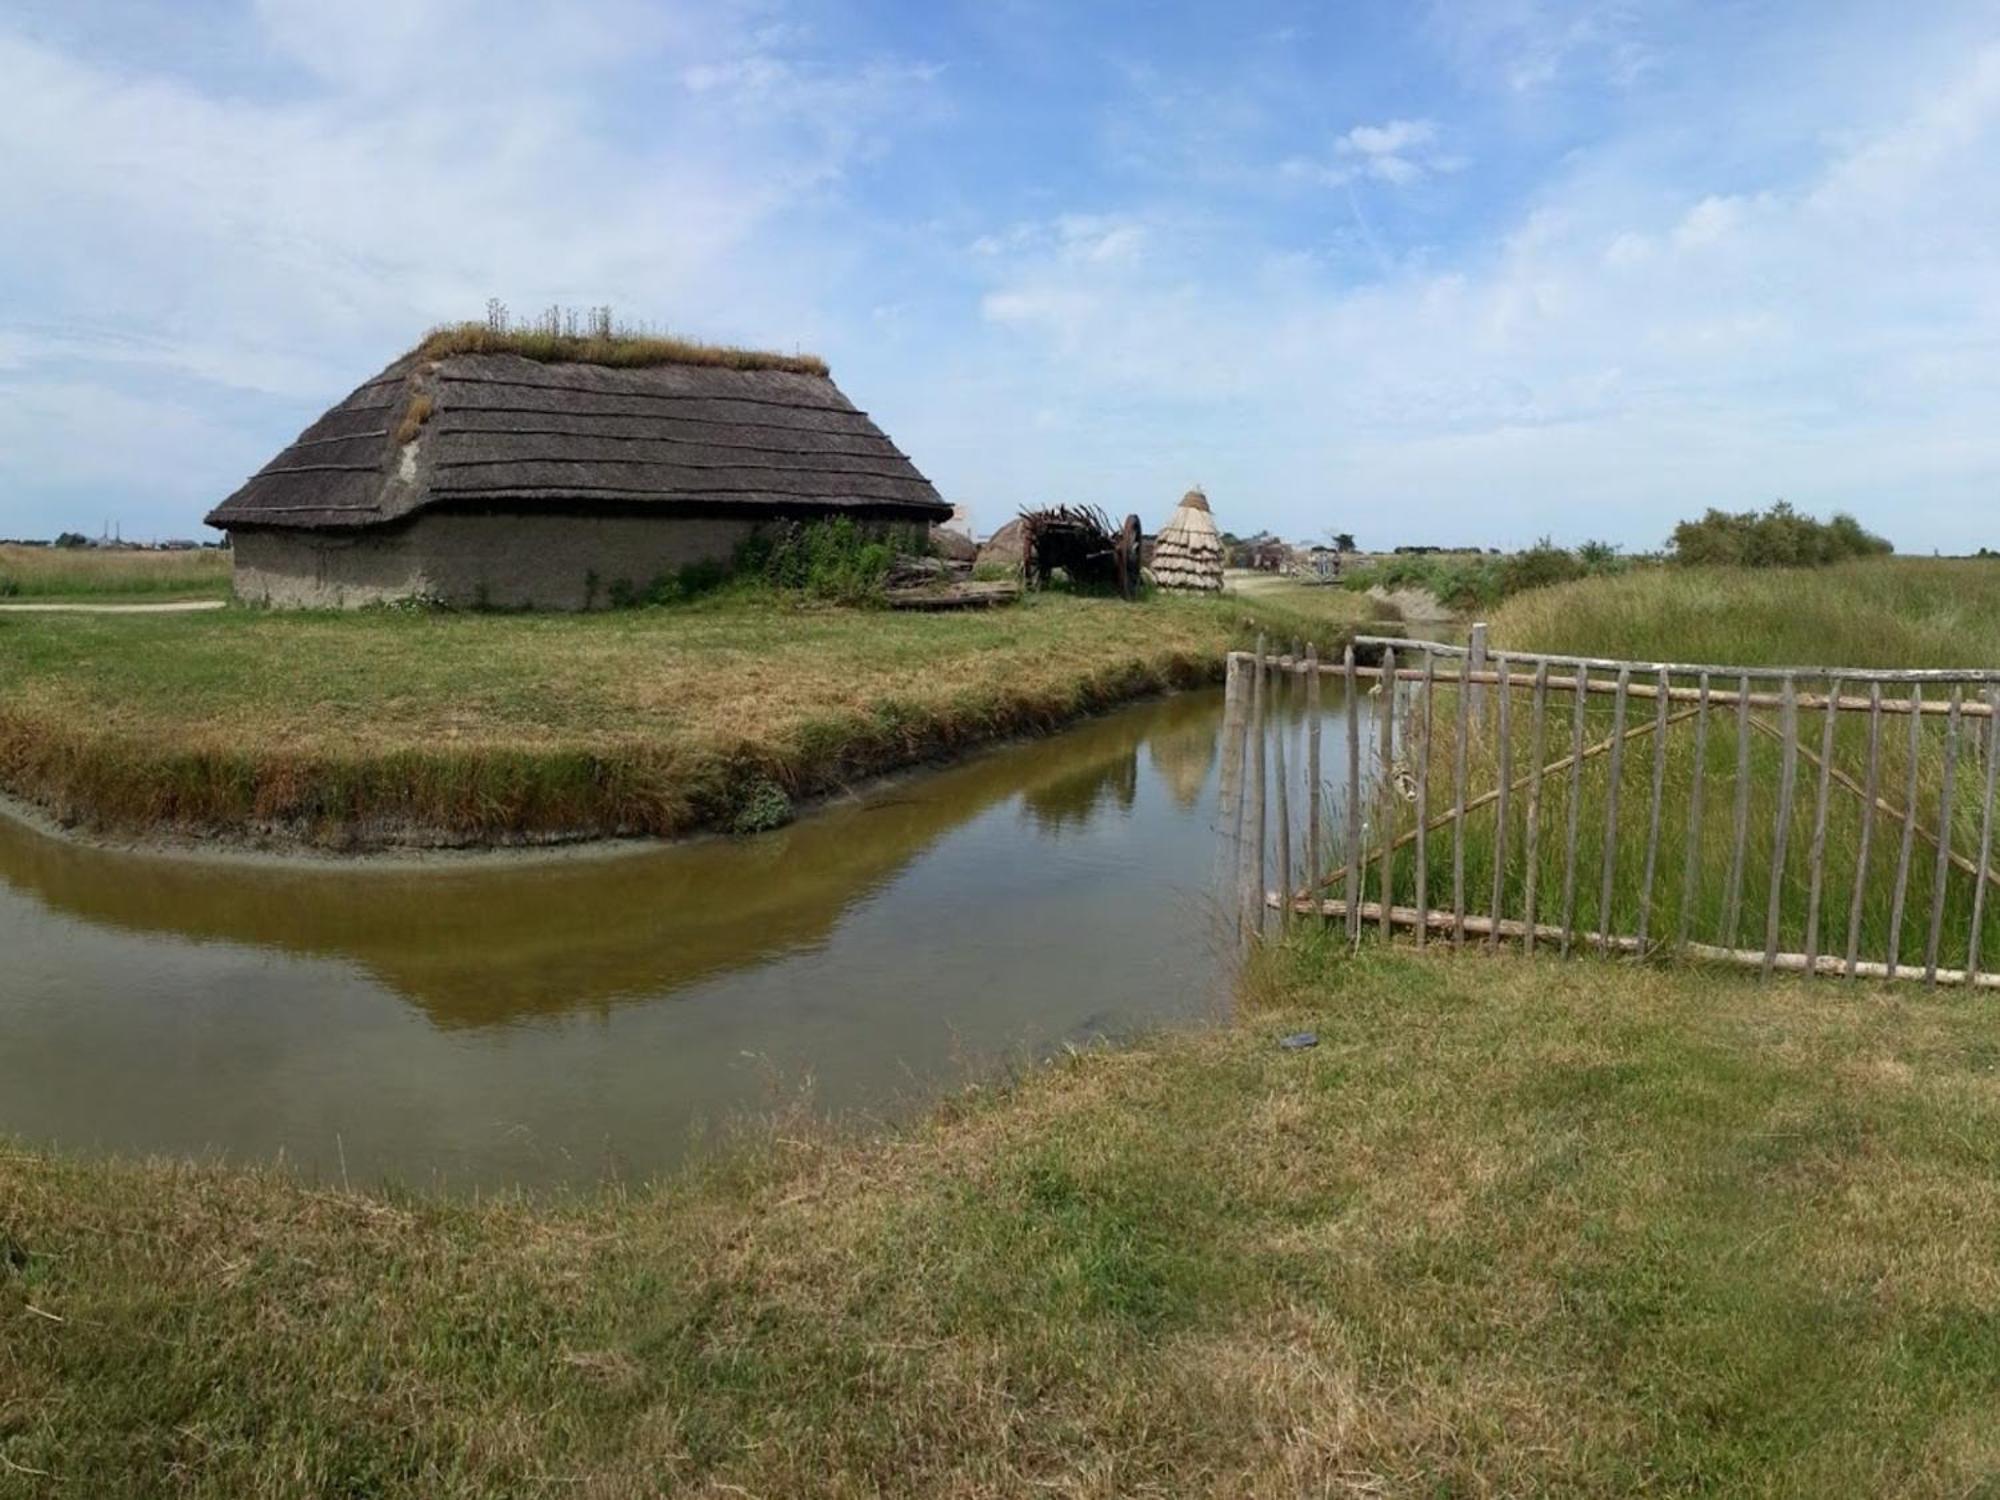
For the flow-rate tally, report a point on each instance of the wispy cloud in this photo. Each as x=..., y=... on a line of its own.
x=1399, y=152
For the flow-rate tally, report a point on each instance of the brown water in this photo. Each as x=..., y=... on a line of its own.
x=563, y=1021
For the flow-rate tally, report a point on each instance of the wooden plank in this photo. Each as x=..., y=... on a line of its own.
x=1458, y=774
x=1732, y=911
x=1503, y=705
x=1618, y=703
x=1424, y=788
x=1902, y=887
x=1781, y=833
x=1816, y=853
x=1985, y=843
x=1315, y=799
x=1353, y=790
x=1691, y=865
x=1863, y=675
x=1943, y=868
x=1386, y=737
x=1790, y=963
x=1582, y=685
x=1856, y=900
x=1474, y=664
x=1653, y=813
x=1530, y=862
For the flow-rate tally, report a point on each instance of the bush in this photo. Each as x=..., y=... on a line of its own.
x=1780, y=537
x=832, y=560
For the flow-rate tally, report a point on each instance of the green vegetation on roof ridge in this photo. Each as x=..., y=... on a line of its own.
x=618, y=350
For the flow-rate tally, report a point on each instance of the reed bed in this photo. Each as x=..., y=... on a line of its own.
x=30, y=573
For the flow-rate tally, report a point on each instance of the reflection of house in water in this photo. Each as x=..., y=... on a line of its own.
x=488, y=944
x=1072, y=800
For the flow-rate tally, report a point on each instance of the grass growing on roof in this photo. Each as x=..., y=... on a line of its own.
x=386, y=725
x=619, y=350
x=1509, y=1228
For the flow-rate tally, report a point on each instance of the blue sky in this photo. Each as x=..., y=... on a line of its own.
x=1459, y=272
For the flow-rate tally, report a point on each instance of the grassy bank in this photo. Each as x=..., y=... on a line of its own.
x=424, y=727
x=1888, y=612
x=33, y=573
x=1509, y=1228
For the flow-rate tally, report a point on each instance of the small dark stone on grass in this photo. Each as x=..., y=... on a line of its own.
x=1298, y=1041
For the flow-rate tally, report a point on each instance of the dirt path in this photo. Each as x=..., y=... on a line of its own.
x=171, y=607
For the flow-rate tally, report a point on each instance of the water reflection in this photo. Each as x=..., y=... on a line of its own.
x=544, y=1020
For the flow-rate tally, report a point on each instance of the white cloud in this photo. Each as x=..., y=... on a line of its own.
x=1398, y=152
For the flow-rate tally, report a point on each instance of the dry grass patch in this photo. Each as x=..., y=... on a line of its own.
x=1511, y=1228
x=620, y=350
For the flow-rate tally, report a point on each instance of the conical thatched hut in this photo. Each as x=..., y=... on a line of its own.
x=1188, y=552
x=531, y=470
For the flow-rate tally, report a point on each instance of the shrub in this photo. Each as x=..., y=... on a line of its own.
x=1780, y=537
x=833, y=560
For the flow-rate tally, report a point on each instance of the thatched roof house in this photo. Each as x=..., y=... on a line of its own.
x=1188, y=553
x=531, y=470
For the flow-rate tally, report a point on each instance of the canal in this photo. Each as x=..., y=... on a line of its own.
x=564, y=1020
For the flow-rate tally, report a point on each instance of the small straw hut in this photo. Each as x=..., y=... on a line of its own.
x=1188, y=554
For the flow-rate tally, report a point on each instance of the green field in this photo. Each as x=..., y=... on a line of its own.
x=1509, y=1228
x=36, y=573
x=389, y=726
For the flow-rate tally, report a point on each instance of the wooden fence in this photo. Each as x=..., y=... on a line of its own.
x=1813, y=820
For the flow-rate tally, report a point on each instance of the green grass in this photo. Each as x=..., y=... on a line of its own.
x=30, y=574
x=1510, y=1228
x=1889, y=612
x=385, y=726
x=623, y=350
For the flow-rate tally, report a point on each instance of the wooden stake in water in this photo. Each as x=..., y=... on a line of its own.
x=1503, y=727
x=1788, y=776
x=1691, y=871
x=1315, y=794
x=1985, y=841
x=1740, y=815
x=1944, y=836
x=1281, y=692
x=1424, y=719
x=1660, y=706
x=1582, y=681
x=1389, y=792
x=1259, y=833
x=1618, y=700
x=1458, y=774
x=1896, y=901
x=1354, y=890
x=1816, y=854
x=1531, y=870
x=1872, y=790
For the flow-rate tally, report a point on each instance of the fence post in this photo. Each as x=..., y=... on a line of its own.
x=1424, y=801
x=1281, y=693
x=1897, y=901
x=1458, y=776
x=1788, y=775
x=1475, y=659
x=1740, y=816
x=1314, y=809
x=1254, y=814
x=1691, y=869
x=1386, y=832
x=1575, y=810
x=1354, y=891
x=1504, y=729
x=1531, y=863
x=1665, y=684
x=1985, y=835
x=1868, y=814
x=1944, y=835
x=1816, y=861
x=1612, y=788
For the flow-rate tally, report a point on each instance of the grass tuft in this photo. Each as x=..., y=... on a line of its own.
x=617, y=350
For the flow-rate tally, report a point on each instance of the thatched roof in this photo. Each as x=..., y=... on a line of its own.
x=497, y=430
x=1188, y=554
